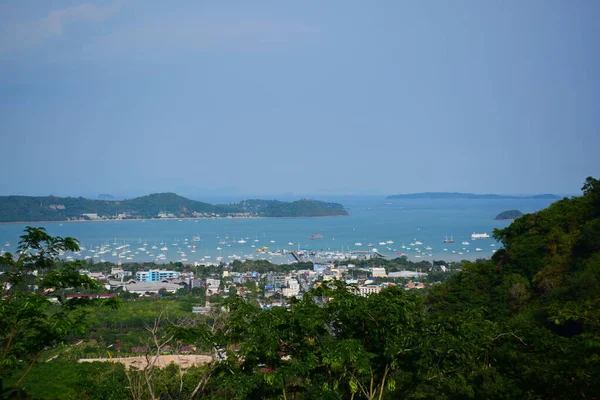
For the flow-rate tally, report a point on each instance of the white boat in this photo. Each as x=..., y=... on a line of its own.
x=483, y=235
x=478, y=249
x=390, y=242
x=242, y=241
x=382, y=243
x=417, y=243
x=358, y=244
x=465, y=243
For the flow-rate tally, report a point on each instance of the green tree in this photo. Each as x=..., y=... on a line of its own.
x=29, y=322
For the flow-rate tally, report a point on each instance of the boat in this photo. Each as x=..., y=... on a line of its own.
x=475, y=236
x=316, y=236
x=448, y=239
x=358, y=244
x=196, y=238
x=465, y=243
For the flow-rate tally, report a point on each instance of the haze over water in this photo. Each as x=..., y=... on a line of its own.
x=373, y=220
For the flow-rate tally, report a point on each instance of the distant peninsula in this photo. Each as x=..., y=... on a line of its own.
x=158, y=206
x=448, y=195
x=509, y=214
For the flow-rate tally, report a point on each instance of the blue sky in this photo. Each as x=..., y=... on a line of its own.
x=268, y=97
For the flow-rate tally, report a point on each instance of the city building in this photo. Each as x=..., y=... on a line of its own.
x=366, y=290
x=378, y=272
x=155, y=275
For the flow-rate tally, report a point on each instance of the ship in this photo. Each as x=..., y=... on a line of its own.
x=316, y=236
x=448, y=239
x=479, y=236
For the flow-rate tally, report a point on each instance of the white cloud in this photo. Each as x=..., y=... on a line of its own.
x=26, y=34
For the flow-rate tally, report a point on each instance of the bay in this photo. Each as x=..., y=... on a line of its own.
x=373, y=220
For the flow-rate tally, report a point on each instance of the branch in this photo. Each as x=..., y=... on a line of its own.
x=511, y=334
x=29, y=368
x=10, y=338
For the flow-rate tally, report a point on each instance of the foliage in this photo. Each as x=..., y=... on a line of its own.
x=299, y=208
x=50, y=208
x=29, y=323
x=509, y=214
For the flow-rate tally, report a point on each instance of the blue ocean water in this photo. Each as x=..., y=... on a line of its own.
x=373, y=220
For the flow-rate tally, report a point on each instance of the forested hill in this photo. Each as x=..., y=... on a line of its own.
x=539, y=301
x=447, y=195
x=299, y=208
x=163, y=205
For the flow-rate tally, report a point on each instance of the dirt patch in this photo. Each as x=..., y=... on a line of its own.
x=141, y=362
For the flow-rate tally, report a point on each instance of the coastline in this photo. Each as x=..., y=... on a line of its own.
x=68, y=221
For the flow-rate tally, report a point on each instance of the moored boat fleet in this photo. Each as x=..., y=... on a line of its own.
x=196, y=251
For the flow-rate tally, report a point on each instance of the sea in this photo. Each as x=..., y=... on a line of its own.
x=392, y=227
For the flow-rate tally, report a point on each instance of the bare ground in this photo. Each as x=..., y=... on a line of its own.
x=141, y=362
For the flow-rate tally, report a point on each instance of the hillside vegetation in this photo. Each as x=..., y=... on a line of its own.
x=50, y=208
x=509, y=214
x=299, y=208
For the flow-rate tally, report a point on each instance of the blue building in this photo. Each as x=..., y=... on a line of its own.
x=155, y=275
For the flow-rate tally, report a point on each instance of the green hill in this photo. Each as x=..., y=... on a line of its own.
x=169, y=205
x=299, y=208
x=509, y=214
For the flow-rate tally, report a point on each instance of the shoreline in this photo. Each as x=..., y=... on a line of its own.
x=68, y=221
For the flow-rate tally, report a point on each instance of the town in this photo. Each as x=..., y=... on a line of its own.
x=268, y=285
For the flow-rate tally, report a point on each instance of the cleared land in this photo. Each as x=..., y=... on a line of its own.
x=141, y=362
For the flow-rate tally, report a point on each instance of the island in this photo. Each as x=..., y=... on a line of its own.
x=455, y=195
x=154, y=206
x=509, y=214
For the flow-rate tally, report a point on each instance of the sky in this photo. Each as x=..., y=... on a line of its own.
x=129, y=97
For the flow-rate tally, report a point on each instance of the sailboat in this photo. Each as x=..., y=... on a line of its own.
x=448, y=239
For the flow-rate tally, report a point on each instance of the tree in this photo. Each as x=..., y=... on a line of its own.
x=29, y=323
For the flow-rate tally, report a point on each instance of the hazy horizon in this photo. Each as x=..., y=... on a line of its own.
x=316, y=99
x=227, y=197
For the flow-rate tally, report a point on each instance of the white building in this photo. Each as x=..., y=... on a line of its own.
x=378, y=272
x=150, y=287
x=292, y=289
x=213, y=285
x=406, y=274
x=366, y=290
